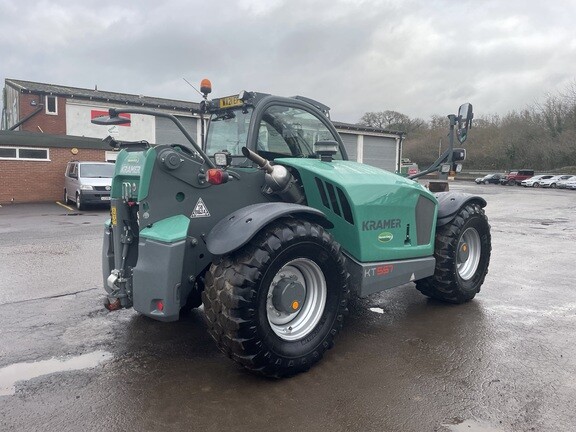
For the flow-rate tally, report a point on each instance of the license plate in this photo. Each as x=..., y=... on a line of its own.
x=230, y=102
x=105, y=198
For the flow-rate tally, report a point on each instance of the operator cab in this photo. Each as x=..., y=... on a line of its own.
x=271, y=126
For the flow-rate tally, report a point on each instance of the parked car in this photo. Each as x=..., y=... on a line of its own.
x=490, y=178
x=553, y=182
x=571, y=184
x=563, y=184
x=516, y=177
x=536, y=180
x=88, y=183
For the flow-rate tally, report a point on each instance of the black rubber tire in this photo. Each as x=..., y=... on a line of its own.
x=446, y=283
x=65, y=198
x=511, y=183
x=236, y=294
x=536, y=185
x=79, y=204
x=486, y=182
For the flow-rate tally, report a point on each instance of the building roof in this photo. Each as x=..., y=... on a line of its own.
x=150, y=102
x=369, y=129
x=99, y=95
x=33, y=139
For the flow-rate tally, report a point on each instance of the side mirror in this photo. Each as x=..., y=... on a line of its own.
x=465, y=116
x=458, y=154
x=112, y=119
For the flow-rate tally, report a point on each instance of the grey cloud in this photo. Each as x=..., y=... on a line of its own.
x=416, y=57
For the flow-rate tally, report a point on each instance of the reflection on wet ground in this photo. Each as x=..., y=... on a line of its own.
x=10, y=375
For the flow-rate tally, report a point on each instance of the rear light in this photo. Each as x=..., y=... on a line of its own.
x=160, y=305
x=216, y=176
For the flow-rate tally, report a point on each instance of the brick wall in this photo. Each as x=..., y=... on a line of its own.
x=40, y=181
x=48, y=123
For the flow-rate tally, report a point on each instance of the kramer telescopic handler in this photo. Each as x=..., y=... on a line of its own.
x=271, y=228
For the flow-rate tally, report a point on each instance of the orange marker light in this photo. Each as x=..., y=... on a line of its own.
x=205, y=86
x=295, y=305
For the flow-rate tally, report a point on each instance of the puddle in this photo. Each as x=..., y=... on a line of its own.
x=377, y=310
x=10, y=375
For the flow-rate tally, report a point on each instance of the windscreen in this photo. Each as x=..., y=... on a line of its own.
x=97, y=170
x=228, y=131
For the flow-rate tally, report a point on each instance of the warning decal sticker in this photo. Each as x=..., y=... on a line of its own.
x=200, y=210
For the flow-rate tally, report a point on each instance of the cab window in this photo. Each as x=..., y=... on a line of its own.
x=291, y=132
x=228, y=131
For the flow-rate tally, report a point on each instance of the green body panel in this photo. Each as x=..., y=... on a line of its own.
x=382, y=205
x=169, y=230
x=133, y=168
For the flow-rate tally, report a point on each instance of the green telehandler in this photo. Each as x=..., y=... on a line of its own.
x=269, y=227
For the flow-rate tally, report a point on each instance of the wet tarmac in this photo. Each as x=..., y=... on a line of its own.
x=504, y=362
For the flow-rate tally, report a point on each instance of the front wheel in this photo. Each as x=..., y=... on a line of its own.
x=79, y=203
x=462, y=253
x=276, y=305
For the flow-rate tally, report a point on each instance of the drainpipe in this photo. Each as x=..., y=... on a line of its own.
x=29, y=116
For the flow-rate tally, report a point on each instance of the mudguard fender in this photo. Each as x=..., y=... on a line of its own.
x=238, y=228
x=449, y=203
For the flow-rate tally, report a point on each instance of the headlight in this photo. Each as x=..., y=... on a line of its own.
x=86, y=187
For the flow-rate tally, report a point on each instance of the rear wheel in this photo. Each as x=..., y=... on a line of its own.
x=276, y=305
x=462, y=256
x=66, y=199
x=511, y=182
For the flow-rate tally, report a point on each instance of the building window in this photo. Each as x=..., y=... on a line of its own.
x=24, y=153
x=51, y=105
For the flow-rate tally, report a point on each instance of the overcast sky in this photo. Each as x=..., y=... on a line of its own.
x=416, y=57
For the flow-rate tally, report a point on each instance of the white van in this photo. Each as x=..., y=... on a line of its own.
x=88, y=183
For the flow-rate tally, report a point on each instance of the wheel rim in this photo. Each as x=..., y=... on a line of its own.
x=78, y=202
x=468, y=254
x=293, y=326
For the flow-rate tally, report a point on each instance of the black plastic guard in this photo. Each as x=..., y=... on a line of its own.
x=450, y=202
x=236, y=229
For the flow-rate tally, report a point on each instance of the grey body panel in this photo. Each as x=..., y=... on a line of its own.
x=236, y=229
x=449, y=203
x=425, y=209
x=157, y=277
x=368, y=278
